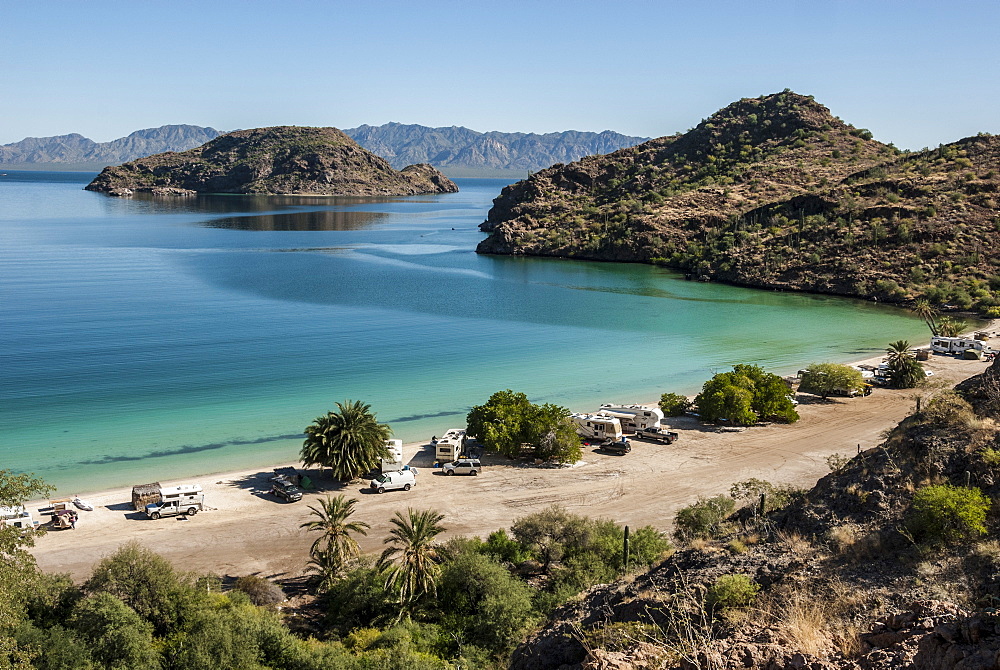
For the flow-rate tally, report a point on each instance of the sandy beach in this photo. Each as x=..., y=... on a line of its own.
x=246, y=530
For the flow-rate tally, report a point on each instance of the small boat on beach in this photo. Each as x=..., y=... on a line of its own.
x=83, y=504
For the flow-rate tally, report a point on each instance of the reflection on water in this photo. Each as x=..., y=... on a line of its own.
x=316, y=220
x=225, y=203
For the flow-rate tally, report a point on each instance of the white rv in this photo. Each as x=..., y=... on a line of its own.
x=450, y=446
x=598, y=426
x=957, y=345
x=635, y=417
x=395, y=460
x=18, y=517
x=184, y=499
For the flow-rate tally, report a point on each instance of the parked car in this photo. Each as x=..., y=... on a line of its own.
x=286, y=490
x=620, y=447
x=402, y=479
x=656, y=435
x=464, y=466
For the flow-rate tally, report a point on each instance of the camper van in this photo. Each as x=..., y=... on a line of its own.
x=634, y=417
x=450, y=446
x=184, y=499
x=957, y=345
x=598, y=426
x=395, y=460
x=18, y=517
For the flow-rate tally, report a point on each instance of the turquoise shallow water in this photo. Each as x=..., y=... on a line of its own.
x=145, y=340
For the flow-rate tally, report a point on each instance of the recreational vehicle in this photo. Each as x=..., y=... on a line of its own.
x=957, y=345
x=395, y=459
x=184, y=499
x=598, y=426
x=635, y=417
x=18, y=517
x=450, y=446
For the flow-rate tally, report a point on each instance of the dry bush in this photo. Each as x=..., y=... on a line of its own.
x=843, y=537
x=736, y=547
x=816, y=622
x=795, y=542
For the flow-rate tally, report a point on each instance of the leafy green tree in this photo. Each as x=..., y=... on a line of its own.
x=484, y=603
x=147, y=583
x=508, y=421
x=350, y=441
x=118, y=638
x=744, y=396
x=825, y=379
x=360, y=598
x=674, y=404
x=549, y=534
x=410, y=560
x=905, y=371
x=332, y=550
x=948, y=514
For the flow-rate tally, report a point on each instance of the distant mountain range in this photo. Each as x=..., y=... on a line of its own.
x=75, y=149
x=456, y=151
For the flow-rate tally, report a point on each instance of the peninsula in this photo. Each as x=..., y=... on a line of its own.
x=775, y=192
x=286, y=160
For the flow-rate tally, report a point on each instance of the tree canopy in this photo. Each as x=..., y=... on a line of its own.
x=905, y=371
x=508, y=420
x=350, y=441
x=745, y=396
x=826, y=379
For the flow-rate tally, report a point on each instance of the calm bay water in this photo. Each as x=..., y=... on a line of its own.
x=148, y=340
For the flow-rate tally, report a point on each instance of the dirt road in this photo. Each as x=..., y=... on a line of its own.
x=249, y=531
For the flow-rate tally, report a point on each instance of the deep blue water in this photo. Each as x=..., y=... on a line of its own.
x=146, y=339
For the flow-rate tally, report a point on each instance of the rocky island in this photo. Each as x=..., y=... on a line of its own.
x=775, y=192
x=286, y=160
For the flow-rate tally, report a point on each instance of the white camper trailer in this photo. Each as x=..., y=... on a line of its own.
x=395, y=460
x=184, y=499
x=957, y=345
x=598, y=426
x=635, y=417
x=450, y=446
x=18, y=517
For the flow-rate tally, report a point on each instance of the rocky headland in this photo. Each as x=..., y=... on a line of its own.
x=285, y=160
x=775, y=192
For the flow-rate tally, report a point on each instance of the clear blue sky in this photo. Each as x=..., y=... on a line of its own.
x=916, y=73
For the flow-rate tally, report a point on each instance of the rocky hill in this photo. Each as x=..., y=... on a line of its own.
x=775, y=192
x=846, y=576
x=462, y=152
x=279, y=160
x=77, y=149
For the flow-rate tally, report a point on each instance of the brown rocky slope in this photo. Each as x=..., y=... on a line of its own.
x=288, y=160
x=775, y=192
x=846, y=582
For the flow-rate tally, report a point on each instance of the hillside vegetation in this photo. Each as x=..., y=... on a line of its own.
x=279, y=160
x=775, y=192
x=889, y=562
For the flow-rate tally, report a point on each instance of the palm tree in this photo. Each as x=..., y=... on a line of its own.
x=949, y=327
x=926, y=311
x=335, y=547
x=350, y=442
x=410, y=561
x=905, y=371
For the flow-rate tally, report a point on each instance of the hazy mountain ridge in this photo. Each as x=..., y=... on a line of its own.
x=75, y=148
x=775, y=192
x=459, y=147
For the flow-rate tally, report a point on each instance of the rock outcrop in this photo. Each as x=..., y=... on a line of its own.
x=775, y=192
x=289, y=160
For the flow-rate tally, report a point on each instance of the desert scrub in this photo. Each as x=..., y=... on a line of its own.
x=947, y=514
x=736, y=590
x=991, y=456
x=702, y=519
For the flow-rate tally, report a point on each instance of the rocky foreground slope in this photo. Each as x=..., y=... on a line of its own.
x=775, y=192
x=846, y=578
x=279, y=160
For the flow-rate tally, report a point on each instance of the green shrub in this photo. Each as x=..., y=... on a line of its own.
x=947, y=514
x=991, y=456
x=731, y=591
x=703, y=518
x=260, y=591
x=673, y=404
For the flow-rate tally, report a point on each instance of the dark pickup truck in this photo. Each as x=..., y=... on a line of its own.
x=656, y=435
